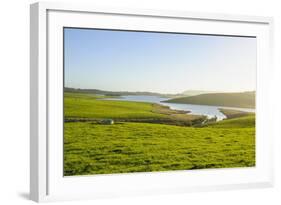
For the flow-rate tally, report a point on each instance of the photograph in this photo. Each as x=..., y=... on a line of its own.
x=149, y=101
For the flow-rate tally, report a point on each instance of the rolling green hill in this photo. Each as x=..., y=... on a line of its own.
x=243, y=100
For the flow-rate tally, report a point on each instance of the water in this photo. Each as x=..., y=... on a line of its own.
x=207, y=110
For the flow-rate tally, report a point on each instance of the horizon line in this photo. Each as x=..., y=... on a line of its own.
x=213, y=91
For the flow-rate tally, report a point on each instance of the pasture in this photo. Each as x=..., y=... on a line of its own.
x=147, y=137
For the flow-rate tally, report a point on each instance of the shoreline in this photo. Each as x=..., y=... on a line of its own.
x=218, y=116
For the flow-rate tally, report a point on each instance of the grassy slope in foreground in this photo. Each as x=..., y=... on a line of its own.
x=244, y=99
x=91, y=148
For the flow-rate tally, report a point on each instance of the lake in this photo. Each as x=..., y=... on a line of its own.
x=207, y=110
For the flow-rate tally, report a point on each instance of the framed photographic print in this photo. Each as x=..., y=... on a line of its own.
x=127, y=102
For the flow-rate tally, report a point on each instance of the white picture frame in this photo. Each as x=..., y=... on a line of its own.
x=46, y=178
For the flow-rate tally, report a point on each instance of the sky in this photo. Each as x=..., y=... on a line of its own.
x=158, y=62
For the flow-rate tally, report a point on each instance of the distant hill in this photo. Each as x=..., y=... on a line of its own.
x=243, y=99
x=196, y=92
x=120, y=93
x=116, y=93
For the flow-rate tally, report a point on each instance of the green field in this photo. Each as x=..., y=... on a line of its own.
x=78, y=105
x=148, y=137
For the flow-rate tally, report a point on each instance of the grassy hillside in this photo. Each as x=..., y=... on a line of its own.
x=142, y=147
x=94, y=148
x=243, y=100
x=79, y=105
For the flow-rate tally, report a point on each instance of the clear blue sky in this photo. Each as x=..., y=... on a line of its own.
x=158, y=62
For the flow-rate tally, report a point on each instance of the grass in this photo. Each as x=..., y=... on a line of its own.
x=79, y=105
x=126, y=146
x=143, y=147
